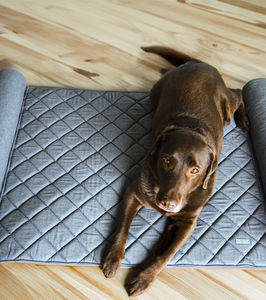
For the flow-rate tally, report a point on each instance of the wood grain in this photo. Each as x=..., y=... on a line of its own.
x=95, y=44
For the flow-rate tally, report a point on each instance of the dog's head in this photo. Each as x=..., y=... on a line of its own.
x=181, y=161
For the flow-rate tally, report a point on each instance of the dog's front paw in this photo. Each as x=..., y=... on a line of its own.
x=111, y=263
x=139, y=283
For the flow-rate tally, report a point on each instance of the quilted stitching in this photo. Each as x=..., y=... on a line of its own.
x=75, y=153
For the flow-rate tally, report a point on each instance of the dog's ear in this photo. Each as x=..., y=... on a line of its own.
x=211, y=169
x=159, y=139
x=155, y=147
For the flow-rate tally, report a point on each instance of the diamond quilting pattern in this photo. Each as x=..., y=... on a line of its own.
x=75, y=153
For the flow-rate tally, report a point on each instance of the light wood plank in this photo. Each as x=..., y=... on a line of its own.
x=238, y=10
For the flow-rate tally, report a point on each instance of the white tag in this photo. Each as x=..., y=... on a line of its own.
x=243, y=241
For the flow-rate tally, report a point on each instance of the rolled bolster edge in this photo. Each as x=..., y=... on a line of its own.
x=254, y=96
x=12, y=89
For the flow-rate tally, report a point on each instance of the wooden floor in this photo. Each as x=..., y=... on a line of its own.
x=95, y=44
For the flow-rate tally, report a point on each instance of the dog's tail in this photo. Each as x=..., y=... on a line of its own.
x=174, y=57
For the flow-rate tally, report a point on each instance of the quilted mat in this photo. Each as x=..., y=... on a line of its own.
x=68, y=155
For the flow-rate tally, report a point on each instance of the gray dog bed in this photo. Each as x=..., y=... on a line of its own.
x=67, y=156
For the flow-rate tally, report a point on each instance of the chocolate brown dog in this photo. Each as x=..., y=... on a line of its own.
x=192, y=104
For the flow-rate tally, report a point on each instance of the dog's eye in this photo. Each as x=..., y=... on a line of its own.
x=194, y=171
x=168, y=163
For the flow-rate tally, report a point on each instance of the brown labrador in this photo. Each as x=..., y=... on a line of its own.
x=192, y=105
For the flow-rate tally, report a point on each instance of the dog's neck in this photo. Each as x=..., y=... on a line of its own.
x=185, y=122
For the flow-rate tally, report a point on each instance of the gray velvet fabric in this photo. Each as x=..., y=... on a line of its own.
x=254, y=94
x=12, y=88
x=75, y=153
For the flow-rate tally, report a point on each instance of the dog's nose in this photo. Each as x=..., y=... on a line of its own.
x=169, y=205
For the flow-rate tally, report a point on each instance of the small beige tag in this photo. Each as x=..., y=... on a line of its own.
x=243, y=241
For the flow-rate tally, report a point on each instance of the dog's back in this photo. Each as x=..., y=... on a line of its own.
x=192, y=89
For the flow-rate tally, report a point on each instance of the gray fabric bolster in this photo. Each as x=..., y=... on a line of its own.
x=12, y=89
x=254, y=94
